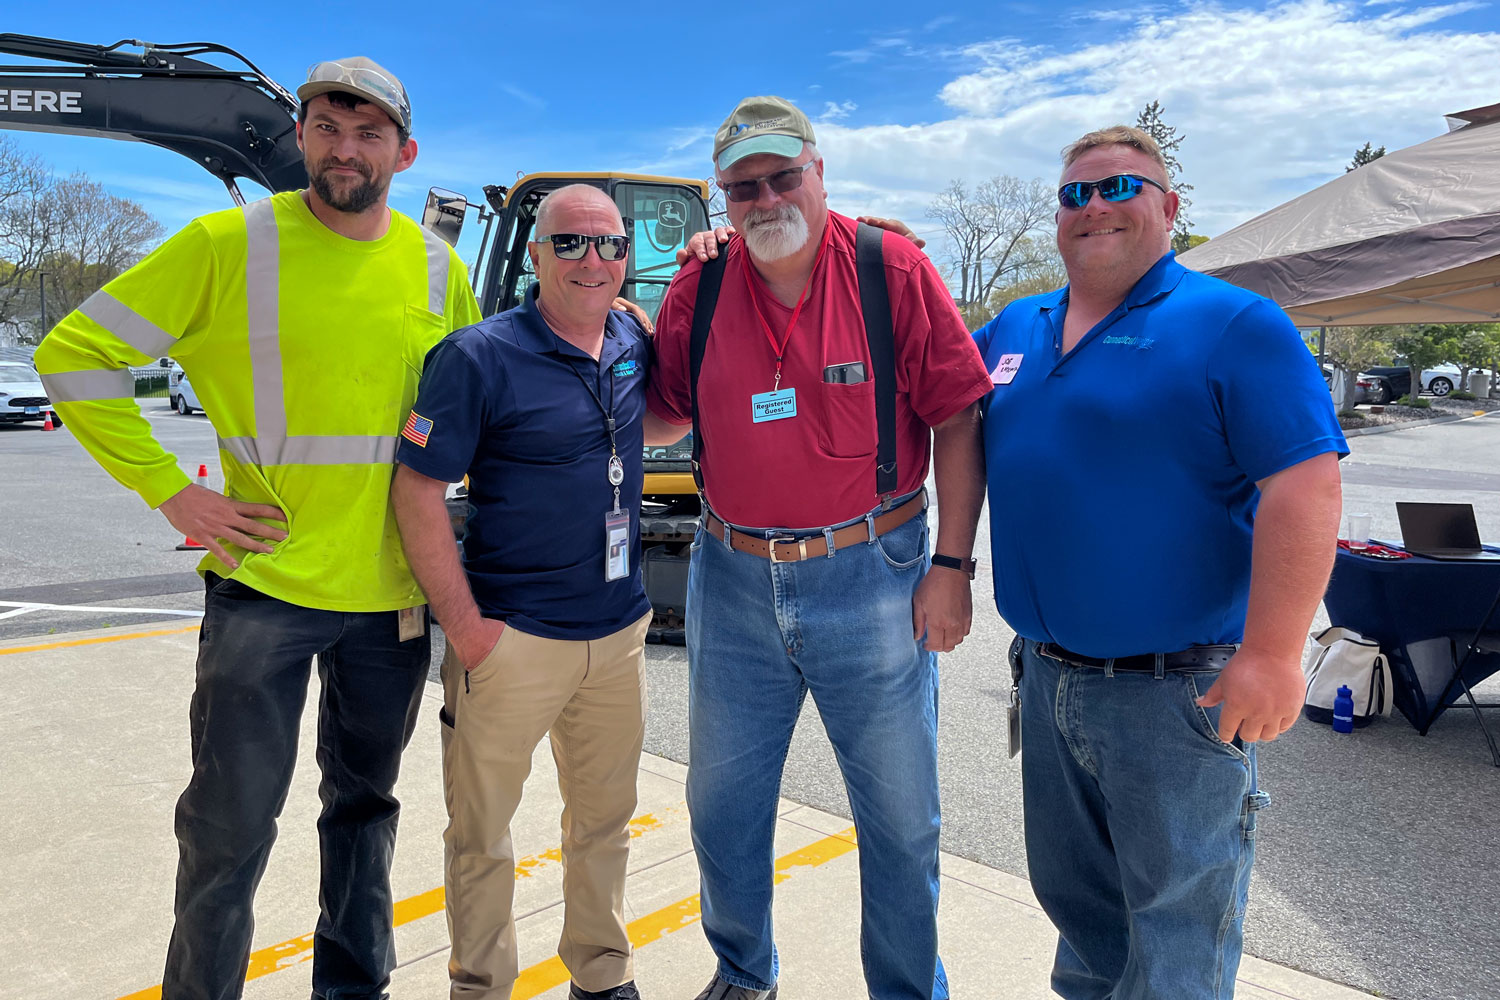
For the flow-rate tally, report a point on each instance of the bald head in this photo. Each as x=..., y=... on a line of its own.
x=573, y=196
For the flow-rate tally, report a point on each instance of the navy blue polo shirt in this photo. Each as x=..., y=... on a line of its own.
x=507, y=402
x=1122, y=476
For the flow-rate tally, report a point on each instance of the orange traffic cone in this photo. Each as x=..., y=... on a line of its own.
x=47, y=424
x=188, y=545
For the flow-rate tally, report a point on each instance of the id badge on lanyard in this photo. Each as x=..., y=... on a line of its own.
x=617, y=521
x=616, y=529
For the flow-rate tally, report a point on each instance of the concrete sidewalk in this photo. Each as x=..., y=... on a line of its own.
x=94, y=755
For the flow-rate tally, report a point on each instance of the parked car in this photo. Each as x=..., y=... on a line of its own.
x=1365, y=387
x=21, y=394
x=180, y=392
x=1396, y=379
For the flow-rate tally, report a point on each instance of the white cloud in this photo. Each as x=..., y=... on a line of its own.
x=1271, y=102
x=836, y=111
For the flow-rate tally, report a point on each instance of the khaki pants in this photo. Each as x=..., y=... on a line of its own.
x=591, y=695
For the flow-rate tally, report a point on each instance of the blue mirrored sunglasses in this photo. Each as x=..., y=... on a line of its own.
x=1120, y=187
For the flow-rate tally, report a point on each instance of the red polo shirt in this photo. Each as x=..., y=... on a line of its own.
x=818, y=467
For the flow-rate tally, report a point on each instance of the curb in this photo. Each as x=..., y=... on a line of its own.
x=1411, y=424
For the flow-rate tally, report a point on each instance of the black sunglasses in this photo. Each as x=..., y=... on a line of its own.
x=572, y=246
x=1120, y=187
x=781, y=182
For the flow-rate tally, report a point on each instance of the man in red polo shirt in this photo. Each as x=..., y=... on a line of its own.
x=811, y=569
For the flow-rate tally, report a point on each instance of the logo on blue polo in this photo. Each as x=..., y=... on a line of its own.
x=1139, y=343
x=625, y=368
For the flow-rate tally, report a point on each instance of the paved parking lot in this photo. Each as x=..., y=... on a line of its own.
x=1378, y=863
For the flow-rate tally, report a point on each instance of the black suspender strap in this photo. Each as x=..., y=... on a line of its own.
x=709, y=280
x=875, y=303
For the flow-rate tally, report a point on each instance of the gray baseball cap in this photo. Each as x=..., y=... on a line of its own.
x=362, y=77
x=762, y=125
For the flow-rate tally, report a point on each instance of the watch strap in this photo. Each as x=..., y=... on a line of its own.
x=969, y=566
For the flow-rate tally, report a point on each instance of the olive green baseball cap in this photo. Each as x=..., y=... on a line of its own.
x=762, y=125
x=361, y=77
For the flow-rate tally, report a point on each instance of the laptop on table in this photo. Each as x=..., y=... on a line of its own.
x=1441, y=531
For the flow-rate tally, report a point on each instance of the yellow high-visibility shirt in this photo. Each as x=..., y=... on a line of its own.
x=305, y=349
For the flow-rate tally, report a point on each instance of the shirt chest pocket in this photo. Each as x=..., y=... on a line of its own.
x=420, y=332
x=847, y=428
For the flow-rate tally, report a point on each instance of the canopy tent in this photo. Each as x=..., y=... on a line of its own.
x=1412, y=237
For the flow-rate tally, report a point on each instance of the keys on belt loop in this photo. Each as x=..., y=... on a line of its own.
x=828, y=541
x=1161, y=665
x=1109, y=667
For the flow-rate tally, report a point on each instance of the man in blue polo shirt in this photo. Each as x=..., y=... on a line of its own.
x=1164, y=498
x=542, y=407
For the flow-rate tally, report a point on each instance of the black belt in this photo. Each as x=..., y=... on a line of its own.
x=1186, y=659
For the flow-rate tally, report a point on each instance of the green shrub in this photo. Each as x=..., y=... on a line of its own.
x=1419, y=402
x=1461, y=394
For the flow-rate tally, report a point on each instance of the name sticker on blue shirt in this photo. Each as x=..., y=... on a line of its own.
x=777, y=405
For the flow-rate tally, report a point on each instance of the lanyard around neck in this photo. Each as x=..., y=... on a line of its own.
x=779, y=348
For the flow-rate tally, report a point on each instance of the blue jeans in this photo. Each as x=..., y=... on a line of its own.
x=1140, y=830
x=254, y=662
x=760, y=636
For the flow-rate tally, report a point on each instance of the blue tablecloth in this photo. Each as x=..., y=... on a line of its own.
x=1399, y=602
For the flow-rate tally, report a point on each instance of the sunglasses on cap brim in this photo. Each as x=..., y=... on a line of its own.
x=366, y=80
x=573, y=246
x=1120, y=187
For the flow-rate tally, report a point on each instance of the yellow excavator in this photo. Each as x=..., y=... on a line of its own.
x=237, y=123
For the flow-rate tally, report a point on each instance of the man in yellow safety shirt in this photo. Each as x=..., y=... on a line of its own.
x=303, y=320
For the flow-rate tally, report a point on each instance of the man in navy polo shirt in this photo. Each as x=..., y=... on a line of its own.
x=1162, y=533
x=542, y=407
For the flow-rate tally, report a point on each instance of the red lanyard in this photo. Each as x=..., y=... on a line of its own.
x=780, y=348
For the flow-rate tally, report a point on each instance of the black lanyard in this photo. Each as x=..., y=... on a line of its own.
x=616, y=470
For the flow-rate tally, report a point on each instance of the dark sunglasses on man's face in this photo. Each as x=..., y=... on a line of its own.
x=781, y=182
x=1120, y=187
x=573, y=246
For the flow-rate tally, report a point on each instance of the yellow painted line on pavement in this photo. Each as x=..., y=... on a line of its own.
x=95, y=640
x=299, y=949
x=543, y=976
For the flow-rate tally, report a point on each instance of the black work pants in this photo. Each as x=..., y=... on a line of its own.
x=254, y=662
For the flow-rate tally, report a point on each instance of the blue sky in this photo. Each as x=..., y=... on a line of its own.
x=1272, y=98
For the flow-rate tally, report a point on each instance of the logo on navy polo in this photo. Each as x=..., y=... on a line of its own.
x=626, y=368
x=1139, y=343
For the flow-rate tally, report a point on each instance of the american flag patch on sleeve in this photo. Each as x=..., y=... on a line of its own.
x=417, y=428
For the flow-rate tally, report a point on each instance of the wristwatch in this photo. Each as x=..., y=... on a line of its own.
x=969, y=566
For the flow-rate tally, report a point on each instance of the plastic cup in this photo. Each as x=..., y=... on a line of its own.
x=1359, y=532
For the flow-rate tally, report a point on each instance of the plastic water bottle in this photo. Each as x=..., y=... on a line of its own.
x=1343, y=710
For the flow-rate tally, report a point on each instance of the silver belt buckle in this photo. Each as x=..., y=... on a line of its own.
x=801, y=549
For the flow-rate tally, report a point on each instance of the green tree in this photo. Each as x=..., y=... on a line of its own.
x=1352, y=349
x=1423, y=345
x=1365, y=154
x=1150, y=122
x=1472, y=348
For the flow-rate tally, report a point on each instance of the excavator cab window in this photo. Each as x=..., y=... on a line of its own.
x=660, y=218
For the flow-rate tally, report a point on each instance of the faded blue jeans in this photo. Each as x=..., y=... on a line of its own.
x=760, y=636
x=1140, y=830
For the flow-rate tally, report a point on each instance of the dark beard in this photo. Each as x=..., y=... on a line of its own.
x=353, y=200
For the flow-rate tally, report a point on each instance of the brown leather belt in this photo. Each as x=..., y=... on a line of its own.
x=780, y=550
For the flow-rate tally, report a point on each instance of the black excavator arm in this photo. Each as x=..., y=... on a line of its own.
x=232, y=122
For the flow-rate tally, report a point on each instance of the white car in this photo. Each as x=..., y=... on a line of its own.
x=180, y=391
x=21, y=394
x=1440, y=380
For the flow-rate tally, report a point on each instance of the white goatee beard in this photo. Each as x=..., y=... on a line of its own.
x=775, y=233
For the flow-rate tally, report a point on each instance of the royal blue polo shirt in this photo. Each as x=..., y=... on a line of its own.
x=1122, y=475
x=508, y=402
